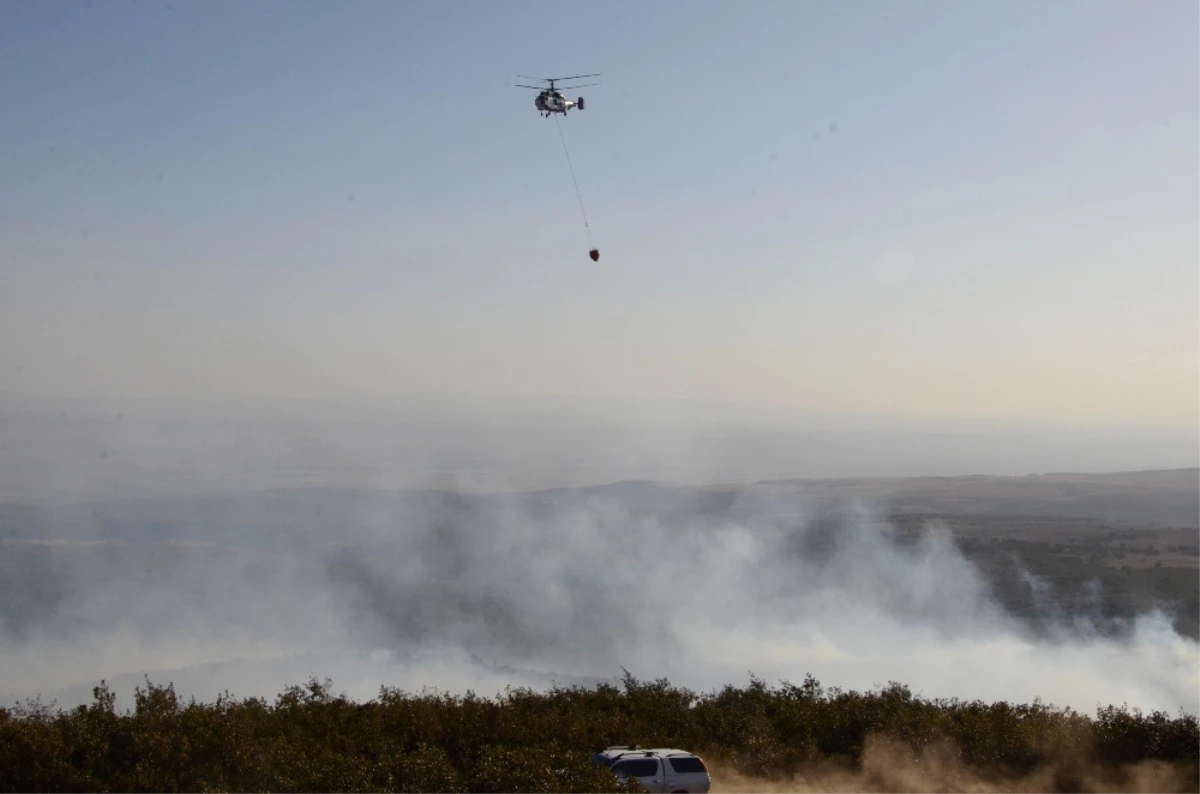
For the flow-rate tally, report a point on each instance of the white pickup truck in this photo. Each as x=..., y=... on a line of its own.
x=662, y=770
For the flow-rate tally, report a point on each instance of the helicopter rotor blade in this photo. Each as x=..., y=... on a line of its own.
x=557, y=88
x=556, y=79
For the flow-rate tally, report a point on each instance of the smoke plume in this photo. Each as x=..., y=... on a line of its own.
x=478, y=593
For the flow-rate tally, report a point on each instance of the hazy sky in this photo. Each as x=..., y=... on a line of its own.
x=270, y=198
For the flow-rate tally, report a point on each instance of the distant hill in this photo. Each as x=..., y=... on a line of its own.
x=1166, y=498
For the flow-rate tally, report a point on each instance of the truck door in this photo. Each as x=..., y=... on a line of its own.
x=649, y=771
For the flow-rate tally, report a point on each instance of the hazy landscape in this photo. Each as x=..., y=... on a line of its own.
x=821, y=399
x=233, y=553
x=241, y=553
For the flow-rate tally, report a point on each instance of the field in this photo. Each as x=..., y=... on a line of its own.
x=1105, y=546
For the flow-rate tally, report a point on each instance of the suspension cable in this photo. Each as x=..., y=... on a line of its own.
x=578, y=194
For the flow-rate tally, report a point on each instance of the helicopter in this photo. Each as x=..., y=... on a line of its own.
x=551, y=100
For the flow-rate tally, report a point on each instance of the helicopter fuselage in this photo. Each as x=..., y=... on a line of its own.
x=553, y=102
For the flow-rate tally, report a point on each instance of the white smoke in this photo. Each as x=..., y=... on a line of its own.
x=512, y=592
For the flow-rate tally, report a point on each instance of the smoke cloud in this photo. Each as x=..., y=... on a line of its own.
x=460, y=593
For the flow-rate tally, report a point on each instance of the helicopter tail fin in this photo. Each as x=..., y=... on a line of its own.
x=579, y=103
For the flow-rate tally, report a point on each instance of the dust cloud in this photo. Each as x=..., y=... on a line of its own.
x=889, y=765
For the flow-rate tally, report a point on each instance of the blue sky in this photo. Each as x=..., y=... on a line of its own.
x=337, y=198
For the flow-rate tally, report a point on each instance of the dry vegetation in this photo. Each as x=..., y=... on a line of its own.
x=786, y=737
